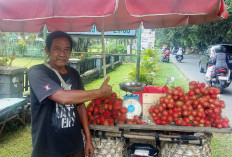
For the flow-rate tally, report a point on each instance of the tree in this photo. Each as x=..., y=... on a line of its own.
x=200, y=36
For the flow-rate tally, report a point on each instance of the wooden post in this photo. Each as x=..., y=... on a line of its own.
x=103, y=49
x=44, y=38
x=131, y=43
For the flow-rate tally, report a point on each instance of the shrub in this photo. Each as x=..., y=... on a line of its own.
x=147, y=67
x=6, y=59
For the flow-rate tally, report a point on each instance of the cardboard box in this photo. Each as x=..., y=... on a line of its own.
x=150, y=99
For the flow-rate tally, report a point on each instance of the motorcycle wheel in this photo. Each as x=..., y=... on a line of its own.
x=221, y=86
x=178, y=59
x=201, y=68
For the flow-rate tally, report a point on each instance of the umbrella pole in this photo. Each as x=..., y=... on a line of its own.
x=138, y=53
x=103, y=49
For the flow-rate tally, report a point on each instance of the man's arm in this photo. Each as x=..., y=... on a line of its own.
x=81, y=109
x=79, y=96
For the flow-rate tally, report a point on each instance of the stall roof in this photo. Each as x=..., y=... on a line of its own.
x=81, y=15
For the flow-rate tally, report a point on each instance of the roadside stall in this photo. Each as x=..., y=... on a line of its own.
x=106, y=15
x=172, y=123
x=110, y=15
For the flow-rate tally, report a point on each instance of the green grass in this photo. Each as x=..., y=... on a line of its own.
x=167, y=70
x=221, y=145
x=119, y=75
x=26, y=62
x=18, y=142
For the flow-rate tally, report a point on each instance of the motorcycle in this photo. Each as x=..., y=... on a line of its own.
x=221, y=79
x=179, y=55
x=166, y=57
x=179, y=58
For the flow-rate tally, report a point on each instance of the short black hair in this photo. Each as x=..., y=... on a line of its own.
x=57, y=34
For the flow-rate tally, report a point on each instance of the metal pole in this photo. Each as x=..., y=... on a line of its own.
x=103, y=49
x=138, y=53
x=131, y=42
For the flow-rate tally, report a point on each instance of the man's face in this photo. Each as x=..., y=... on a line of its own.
x=59, y=52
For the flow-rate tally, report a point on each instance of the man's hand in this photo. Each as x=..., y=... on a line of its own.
x=89, y=149
x=106, y=89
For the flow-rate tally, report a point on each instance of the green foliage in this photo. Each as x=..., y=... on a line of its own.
x=121, y=48
x=81, y=44
x=129, y=58
x=82, y=56
x=6, y=59
x=200, y=36
x=157, y=42
x=147, y=67
x=148, y=60
x=97, y=47
x=111, y=48
x=21, y=47
x=21, y=44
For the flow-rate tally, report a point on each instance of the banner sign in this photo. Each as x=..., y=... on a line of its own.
x=94, y=32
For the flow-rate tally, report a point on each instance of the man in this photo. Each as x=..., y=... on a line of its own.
x=59, y=114
x=209, y=71
x=220, y=60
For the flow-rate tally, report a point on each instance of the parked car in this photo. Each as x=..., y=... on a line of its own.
x=205, y=58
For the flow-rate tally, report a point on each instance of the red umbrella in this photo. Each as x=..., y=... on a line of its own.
x=107, y=15
x=81, y=15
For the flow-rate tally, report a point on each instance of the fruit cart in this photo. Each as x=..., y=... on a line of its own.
x=170, y=137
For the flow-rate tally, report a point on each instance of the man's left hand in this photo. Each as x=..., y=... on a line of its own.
x=89, y=149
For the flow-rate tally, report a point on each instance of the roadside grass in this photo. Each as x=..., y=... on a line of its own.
x=17, y=143
x=167, y=70
x=119, y=75
x=221, y=145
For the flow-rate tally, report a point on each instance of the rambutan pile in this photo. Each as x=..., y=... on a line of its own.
x=199, y=107
x=105, y=111
x=109, y=111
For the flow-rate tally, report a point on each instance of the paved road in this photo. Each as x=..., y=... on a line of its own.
x=190, y=68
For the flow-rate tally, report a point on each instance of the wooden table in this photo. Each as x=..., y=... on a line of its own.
x=11, y=108
x=150, y=132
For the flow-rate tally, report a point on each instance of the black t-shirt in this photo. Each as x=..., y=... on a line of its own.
x=56, y=128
